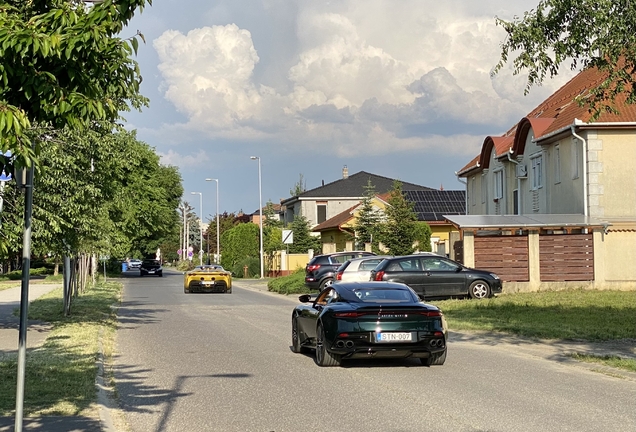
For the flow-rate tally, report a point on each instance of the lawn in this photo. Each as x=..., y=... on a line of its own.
x=573, y=314
x=60, y=375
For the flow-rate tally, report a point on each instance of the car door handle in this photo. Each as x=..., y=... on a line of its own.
x=428, y=273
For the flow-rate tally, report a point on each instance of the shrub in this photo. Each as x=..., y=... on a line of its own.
x=291, y=284
x=17, y=274
x=253, y=267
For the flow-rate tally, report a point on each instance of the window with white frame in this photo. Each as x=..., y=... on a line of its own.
x=537, y=172
x=557, y=164
x=498, y=184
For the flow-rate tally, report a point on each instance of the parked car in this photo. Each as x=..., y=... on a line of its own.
x=435, y=276
x=358, y=269
x=208, y=278
x=151, y=267
x=134, y=264
x=354, y=320
x=321, y=270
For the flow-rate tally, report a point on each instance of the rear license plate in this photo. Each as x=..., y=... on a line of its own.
x=393, y=337
x=207, y=283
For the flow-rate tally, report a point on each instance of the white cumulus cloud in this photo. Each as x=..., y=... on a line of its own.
x=375, y=76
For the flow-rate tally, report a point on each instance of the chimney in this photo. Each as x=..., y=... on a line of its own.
x=345, y=172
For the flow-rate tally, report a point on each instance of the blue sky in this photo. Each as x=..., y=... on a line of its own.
x=398, y=88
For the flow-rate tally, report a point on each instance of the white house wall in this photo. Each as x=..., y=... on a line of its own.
x=565, y=193
x=612, y=173
x=334, y=208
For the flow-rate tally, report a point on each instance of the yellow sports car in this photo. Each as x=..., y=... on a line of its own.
x=208, y=278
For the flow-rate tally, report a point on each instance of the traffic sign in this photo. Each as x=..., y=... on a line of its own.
x=5, y=176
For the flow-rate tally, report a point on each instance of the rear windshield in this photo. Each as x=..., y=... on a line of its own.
x=380, y=295
x=370, y=264
x=322, y=259
x=344, y=266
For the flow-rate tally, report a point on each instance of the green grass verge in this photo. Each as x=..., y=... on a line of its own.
x=573, y=314
x=291, y=284
x=611, y=361
x=60, y=375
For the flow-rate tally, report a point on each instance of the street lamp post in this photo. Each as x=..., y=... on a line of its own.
x=260, y=208
x=200, y=226
x=218, y=254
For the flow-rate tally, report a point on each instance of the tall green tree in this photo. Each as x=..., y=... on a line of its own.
x=399, y=232
x=63, y=64
x=585, y=33
x=368, y=222
x=227, y=221
x=303, y=240
x=239, y=244
x=423, y=236
x=299, y=187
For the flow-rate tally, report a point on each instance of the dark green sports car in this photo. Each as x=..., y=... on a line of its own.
x=353, y=320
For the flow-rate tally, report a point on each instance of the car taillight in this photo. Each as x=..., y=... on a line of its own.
x=339, y=276
x=379, y=275
x=348, y=314
x=431, y=313
x=313, y=267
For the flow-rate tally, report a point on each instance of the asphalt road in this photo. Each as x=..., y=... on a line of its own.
x=222, y=362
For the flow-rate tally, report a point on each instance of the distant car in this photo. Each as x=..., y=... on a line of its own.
x=321, y=270
x=358, y=269
x=134, y=264
x=363, y=320
x=151, y=267
x=435, y=276
x=211, y=278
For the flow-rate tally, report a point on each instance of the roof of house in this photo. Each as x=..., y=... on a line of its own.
x=275, y=208
x=432, y=205
x=553, y=114
x=354, y=187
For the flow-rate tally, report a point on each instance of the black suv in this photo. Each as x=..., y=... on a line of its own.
x=150, y=267
x=320, y=272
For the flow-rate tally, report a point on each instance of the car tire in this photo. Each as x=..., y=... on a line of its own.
x=323, y=357
x=141, y=274
x=296, y=346
x=479, y=290
x=326, y=283
x=160, y=274
x=435, y=359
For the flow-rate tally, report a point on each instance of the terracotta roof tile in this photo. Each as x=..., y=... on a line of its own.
x=557, y=112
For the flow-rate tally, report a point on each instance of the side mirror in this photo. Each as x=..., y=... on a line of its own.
x=422, y=297
x=305, y=298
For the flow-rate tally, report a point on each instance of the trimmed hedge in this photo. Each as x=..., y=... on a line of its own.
x=17, y=274
x=291, y=284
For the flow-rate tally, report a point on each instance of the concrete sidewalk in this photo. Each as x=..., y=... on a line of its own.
x=37, y=332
